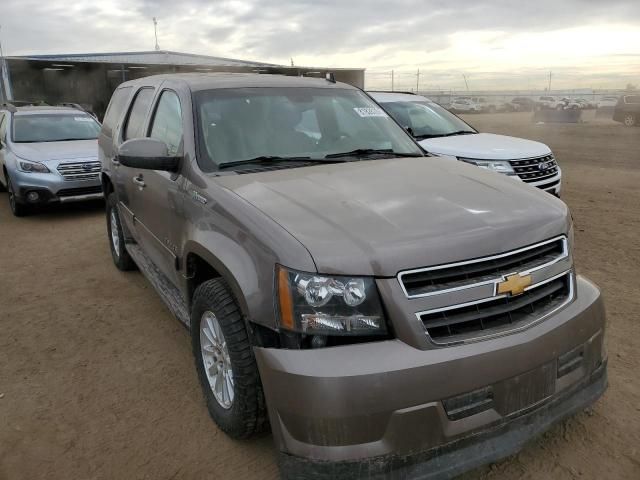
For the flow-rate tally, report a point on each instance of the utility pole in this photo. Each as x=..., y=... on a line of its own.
x=392, y=81
x=155, y=30
x=549, y=89
x=465, y=81
x=5, y=83
x=418, y=81
x=292, y=62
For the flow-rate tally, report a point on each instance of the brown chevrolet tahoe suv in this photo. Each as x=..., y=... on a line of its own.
x=390, y=314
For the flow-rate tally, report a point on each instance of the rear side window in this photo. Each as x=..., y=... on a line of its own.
x=635, y=99
x=167, y=122
x=138, y=113
x=115, y=109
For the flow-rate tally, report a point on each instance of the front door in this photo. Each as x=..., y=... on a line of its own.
x=132, y=127
x=158, y=199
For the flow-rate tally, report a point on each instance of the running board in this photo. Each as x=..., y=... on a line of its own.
x=170, y=295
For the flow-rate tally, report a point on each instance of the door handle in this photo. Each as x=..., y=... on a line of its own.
x=115, y=161
x=139, y=181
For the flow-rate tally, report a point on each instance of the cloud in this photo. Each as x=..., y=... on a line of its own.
x=376, y=34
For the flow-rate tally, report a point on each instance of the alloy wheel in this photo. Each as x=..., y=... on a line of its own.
x=629, y=120
x=216, y=360
x=115, y=239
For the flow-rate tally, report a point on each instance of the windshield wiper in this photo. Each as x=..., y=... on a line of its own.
x=459, y=132
x=261, y=159
x=363, y=152
x=273, y=158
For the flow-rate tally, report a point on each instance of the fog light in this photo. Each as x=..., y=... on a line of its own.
x=33, y=197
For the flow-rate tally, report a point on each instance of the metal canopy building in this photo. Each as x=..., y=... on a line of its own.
x=90, y=79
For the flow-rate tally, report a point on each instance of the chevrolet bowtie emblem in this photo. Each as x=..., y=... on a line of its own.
x=514, y=284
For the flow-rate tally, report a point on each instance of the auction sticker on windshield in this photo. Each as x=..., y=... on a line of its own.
x=370, y=112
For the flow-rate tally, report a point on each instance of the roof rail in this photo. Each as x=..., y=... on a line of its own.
x=71, y=105
x=23, y=103
x=8, y=106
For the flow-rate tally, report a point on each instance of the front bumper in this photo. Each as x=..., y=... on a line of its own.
x=378, y=410
x=52, y=188
x=552, y=185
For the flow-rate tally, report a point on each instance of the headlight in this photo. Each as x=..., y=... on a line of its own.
x=26, y=166
x=316, y=304
x=500, y=166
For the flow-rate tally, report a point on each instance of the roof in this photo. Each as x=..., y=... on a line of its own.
x=208, y=81
x=397, y=97
x=47, y=109
x=153, y=57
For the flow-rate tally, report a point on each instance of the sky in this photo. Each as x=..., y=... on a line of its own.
x=494, y=44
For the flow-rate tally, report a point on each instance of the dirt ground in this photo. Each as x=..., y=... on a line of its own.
x=97, y=378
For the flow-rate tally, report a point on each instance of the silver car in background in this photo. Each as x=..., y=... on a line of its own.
x=48, y=154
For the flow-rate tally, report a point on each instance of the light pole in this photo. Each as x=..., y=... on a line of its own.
x=155, y=31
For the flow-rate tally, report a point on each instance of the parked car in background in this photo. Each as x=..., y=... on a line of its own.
x=586, y=103
x=609, y=101
x=464, y=105
x=488, y=105
x=314, y=276
x=627, y=110
x=442, y=133
x=547, y=101
x=48, y=154
x=570, y=103
x=523, y=104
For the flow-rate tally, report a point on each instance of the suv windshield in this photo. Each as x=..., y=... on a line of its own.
x=54, y=128
x=293, y=123
x=427, y=119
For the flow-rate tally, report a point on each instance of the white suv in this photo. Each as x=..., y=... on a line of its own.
x=441, y=132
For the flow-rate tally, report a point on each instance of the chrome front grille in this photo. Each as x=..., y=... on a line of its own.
x=78, y=171
x=482, y=271
x=535, y=169
x=499, y=314
x=483, y=297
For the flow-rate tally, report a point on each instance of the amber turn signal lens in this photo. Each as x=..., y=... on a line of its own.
x=285, y=299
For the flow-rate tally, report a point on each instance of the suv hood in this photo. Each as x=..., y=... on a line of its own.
x=485, y=146
x=56, y=151
x=379, y=217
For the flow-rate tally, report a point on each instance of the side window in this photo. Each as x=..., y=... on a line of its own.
x=137, y=114
x=115, y=108
x=167, y=122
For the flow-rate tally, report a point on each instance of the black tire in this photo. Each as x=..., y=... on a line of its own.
x=121, y=258
x=247, y=415
x=630, y=120
x=17, y=208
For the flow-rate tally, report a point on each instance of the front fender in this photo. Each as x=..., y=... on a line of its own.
x=235, y=267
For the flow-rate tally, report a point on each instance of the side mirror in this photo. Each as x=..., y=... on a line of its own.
x=147, y=154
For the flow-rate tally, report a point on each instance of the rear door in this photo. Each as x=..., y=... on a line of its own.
x=108, y=140
x=158, y=200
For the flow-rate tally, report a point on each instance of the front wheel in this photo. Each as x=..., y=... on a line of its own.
x=121, y=257
x=630, y=120
x=17, y=208
x=225, y=363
